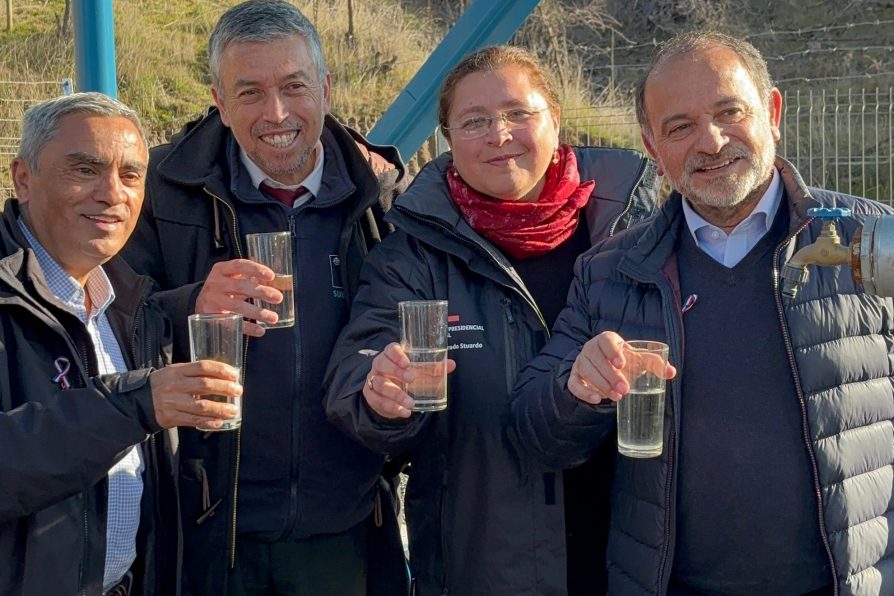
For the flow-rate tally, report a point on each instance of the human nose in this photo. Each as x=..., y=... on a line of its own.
x=275, y=108
x=711, y=138
x=113, y=191
x=499, y=130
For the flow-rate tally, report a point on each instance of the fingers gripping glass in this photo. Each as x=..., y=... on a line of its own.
x=475, y=127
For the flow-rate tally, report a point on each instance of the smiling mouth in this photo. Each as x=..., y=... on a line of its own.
x=501, y=159
x=708, y=169
x=279, y=141
x=105, y=222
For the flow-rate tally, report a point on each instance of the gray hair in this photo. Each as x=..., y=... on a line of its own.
x=41, y=121
x=262, y=21
x=693, y=41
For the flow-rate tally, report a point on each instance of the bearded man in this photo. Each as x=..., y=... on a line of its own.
x=776, y=470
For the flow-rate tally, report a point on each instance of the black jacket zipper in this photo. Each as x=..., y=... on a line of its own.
x=234, y=228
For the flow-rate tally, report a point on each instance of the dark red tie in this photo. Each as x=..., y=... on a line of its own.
x=286, y=196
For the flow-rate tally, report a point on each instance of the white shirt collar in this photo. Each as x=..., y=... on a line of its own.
x=312, y=183
x=766, y=208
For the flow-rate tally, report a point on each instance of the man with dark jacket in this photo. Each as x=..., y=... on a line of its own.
x=87, y=488
x=287, y=504
x=776, y=470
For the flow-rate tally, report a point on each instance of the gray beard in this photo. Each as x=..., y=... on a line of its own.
x=733, y=189
x=274, y=169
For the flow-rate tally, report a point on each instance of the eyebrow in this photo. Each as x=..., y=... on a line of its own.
x=95, y=160
x=503, y=106
x=721, y=103
x=81, y=157
x=298, y=74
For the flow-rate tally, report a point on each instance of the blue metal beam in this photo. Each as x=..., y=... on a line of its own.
x=94, y=40
x=412, y=117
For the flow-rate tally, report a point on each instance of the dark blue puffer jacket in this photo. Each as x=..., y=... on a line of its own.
x=841, y=346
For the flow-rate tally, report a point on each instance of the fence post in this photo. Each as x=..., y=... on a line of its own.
x=9, y=15
x=863, y=140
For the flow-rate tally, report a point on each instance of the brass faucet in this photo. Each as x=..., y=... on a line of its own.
x=826, y=251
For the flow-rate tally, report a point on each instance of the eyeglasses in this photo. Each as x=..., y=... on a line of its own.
x=478, y=126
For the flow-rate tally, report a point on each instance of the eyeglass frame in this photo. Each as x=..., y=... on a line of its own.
x=502, y=116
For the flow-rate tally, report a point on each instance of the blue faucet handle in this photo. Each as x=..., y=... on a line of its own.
x=829, y=212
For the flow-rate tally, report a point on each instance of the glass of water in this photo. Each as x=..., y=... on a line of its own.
x=274, y=249
x=423, y=336
x=641, y=411
x=218, y=337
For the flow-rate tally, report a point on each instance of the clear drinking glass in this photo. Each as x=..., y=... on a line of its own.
x=274, y=250
x=218, y=337
x=423, y=336
x=641, y=411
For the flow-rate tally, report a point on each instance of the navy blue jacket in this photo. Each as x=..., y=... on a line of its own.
x=295, y=474
x=483, y=518
x=839, y=343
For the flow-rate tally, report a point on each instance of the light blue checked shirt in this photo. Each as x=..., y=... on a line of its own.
x=125, y=477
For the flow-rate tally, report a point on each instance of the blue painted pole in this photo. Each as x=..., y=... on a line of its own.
x=412, y=117
x=94, y=40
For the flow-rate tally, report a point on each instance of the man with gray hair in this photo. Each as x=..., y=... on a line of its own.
x=87, y=498
x=777, y=463
x=286, y=505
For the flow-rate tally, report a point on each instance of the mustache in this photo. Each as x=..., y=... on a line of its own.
x=266, y=127
x=698, y=162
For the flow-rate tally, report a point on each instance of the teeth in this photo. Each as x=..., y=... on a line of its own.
x=279, y=140
x=102, y=219
x=718, y=166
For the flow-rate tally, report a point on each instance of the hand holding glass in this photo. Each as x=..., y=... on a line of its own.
x=274, y=250
x=423, y=337
x=641, y=411
x=218, y=337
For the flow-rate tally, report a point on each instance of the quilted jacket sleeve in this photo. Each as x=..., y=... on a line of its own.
x=548, y=422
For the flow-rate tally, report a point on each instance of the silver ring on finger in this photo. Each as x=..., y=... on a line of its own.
x=369, y=382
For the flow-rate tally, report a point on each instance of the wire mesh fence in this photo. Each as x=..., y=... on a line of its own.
x=15, y=97
x=840, y=139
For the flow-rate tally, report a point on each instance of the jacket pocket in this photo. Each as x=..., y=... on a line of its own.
x=509, y=347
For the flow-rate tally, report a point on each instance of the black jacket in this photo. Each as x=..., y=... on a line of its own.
x=839, y=342
x=483, y=518
x=305, y=477
x=60, y=444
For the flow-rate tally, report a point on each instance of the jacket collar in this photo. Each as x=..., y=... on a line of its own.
x=659, y=240
x=427, y=203
x=20, y=270
x=199, y=158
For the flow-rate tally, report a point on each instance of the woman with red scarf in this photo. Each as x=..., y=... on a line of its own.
x=493, y=227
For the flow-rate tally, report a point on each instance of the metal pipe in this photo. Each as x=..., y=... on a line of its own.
x=94, y=40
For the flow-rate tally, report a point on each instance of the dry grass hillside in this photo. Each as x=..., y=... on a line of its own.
x=161, y=54
x=161, y=58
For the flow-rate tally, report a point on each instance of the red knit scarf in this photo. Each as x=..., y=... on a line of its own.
x=524, y=229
